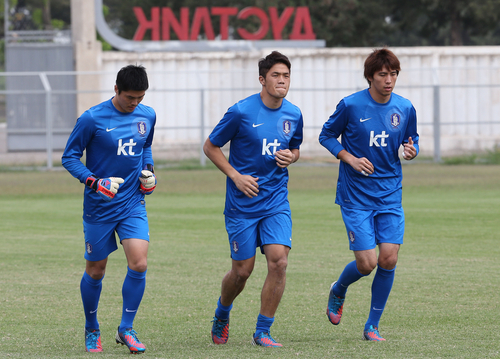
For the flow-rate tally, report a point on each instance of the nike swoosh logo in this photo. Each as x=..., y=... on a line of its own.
x=260, y=124
x=130, y=311
x=110, y=129
x=363, y=120
x=93, y=311
x=376, y=308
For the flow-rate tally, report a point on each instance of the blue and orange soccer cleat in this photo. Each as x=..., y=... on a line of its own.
x=372, y=334
x=129, y=338
x=265, y=340
x=220, y=331
x=93, y=341
x=335, y=306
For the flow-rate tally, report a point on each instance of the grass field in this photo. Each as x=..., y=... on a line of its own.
x=444, y=302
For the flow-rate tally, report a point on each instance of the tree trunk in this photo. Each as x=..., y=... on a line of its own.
x=47, y=20
x=456, y=29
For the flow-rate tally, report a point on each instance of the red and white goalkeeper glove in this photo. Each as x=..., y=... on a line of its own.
x=148, y=182
x=105, y=187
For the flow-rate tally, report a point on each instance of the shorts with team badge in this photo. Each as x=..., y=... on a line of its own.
x=367, y=228
x=246, y=234
x=100, y=240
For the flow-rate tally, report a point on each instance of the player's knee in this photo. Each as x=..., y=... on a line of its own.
x=388, y=262
x=96, y=273
x=366, y=267
x=140, y=266
x=242, y=274
x=278, y=266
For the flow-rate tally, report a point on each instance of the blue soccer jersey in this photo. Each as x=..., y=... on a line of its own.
x=256, y=132
x=375, y=131
x=116, y=144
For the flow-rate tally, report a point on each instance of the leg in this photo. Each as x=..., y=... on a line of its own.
x=272, y=292
x=389, y=227
x=234, y=281
x=232, y=285
x=352, y=272
x=90, y=289
x=274, y=286
x=136, y=251
x=382, y=283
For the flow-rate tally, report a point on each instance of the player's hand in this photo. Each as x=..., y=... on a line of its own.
x=409, y=151
x=148, y=182
x=284, y=158
x=107, y=188
x=363, y=165
x=247, y=184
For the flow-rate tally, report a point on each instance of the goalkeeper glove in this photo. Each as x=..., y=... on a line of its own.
x=148, y=182
x=105, y=187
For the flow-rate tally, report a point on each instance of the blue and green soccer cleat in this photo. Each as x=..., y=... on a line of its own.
x=129, y=338
x=220, y=331
x=372, y=334
x=265, y=340
x=93, y=341
x=335, y=307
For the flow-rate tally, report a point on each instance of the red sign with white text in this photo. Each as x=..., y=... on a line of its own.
x=202, y=19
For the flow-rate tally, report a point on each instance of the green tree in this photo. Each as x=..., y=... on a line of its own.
x=351, y=23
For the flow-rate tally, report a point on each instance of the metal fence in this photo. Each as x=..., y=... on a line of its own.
x=452, y=118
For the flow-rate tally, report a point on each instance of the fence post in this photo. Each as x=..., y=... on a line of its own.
x=437, y=124
x=48, y=117
x=203, y=160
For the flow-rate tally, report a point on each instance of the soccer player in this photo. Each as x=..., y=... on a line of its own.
x=265, y=131
x=373, y=123
x=116, y=136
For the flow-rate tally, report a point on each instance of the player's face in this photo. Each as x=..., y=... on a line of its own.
x=382, y=84
x=127, y=101
x=277, y=81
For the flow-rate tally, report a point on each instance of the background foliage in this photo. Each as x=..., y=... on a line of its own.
x=346, y=23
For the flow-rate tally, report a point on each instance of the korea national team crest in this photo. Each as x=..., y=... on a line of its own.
x=352, y=238
x=395, y=120
x=235, y=247
x=141, y=128
x=287, y=127
x=89, y=247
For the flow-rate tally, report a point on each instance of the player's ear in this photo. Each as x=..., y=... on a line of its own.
x=262, y=80
x=116, y=89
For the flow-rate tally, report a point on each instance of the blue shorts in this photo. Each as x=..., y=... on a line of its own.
x=246, y=234
x=367, y=228
x=100, y=240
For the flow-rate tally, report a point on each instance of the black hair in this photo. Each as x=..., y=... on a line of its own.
x=132, y=78
x=272, y=59
x=378, y=59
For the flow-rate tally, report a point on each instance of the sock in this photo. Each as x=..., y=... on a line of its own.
x=132, y=292
x=349, y=275
x=90, y=290
x=381, y=288
x=222, y=312
x=263, y=324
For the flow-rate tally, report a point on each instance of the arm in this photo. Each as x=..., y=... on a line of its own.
x=245, y=183
x=77, y=143
x=329, y=135
x=362, y=164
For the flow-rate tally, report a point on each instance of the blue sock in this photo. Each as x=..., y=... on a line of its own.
x=263, y=324
x=349, y=275
x=381, y=288
x=90, y=290
x=132, y=292
x=222, y=312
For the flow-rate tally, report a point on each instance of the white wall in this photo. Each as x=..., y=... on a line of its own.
x=469, y=80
